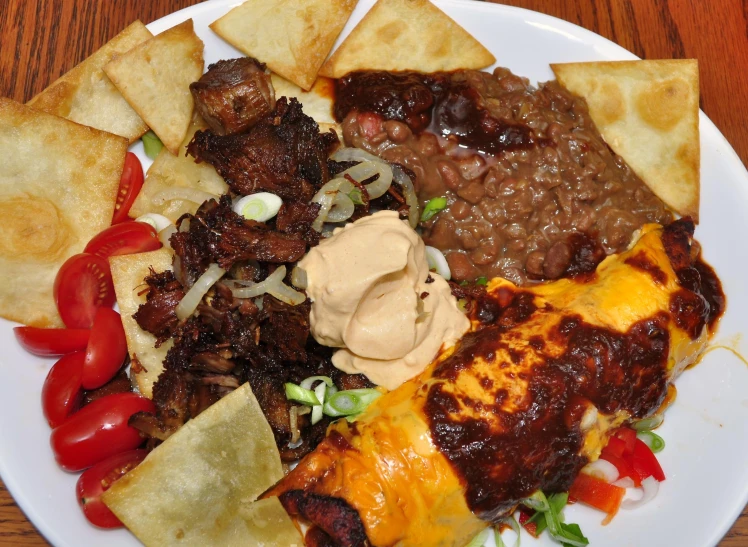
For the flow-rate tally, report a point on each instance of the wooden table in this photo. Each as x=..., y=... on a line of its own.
x=42, y=39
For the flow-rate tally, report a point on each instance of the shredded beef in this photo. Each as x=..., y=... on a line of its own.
x=284, y=153
x=157, y=315
x=233, y=95
x=296, y=217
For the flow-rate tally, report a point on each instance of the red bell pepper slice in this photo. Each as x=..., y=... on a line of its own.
x=597, y=493
x=628, y=436
x=526, y=514
x=645, y=462
x=625, y=469
x=615, y=447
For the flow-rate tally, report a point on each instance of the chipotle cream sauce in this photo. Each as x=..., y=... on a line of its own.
x=370, y=297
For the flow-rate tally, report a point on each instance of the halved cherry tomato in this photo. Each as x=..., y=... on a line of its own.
x=597, y=493
x=98, y=430
x=47, y=342
x=62, y=393
x=106, y=350
x=97, y=480
x=123, y=239
x=83, y=285
x=129, y=187
x=645, y=462
x=628, y=436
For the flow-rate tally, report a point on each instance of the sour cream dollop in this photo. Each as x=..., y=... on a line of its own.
x=369, y=294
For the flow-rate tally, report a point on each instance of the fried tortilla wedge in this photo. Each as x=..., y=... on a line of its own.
x=317, y=102
x=128, y=272
x=406, y=35
x=86, y=96
x=58, y=185
x=196, y=488
x=176, y=178
x=155, y=76
x=648, y=113
x=292, y=38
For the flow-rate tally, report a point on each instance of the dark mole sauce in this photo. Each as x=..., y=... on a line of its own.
x=434, y=102
x=537, y=444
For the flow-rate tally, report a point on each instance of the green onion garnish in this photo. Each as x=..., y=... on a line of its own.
x=652, y=440
x=480, y=539
x=433, y=206
x=357, y=197
x=511, y=521
x=553, y=519
x=152, y=144
x=647, y=424
x=349, y=402
x=481, y=281
x=537, y=502
x=301, y=395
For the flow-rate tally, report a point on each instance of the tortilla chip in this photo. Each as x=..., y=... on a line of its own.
x=180, y=171
x=195, y=488
x=128, y=272
x=270, y=524
x=648, y=113
x=86, y=96
x=317, y=102
x=58, y=185
x=155, y=77
x=406, y=35
x=292, y=38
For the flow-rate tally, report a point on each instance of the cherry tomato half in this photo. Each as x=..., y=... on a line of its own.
x=129, y=187
x=47, y=342
x=82, y=285
x=123, y=239
x=97, y=480
x=98, y=430
x=62, y=393
x=106, y=350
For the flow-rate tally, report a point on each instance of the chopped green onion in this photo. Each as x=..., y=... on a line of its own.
x=357, y=197
x=480, y=539
x=511, y=521
x=321, y=392
x=464, y=283
x=433, y=206
x=652, y=440
x=553, y=519
x=481, y=281
x=261, y=206
x=152, y=144
x=301, y=395
x=647, y=424
x=309, y=382
x=349, y=402
x=537, y=501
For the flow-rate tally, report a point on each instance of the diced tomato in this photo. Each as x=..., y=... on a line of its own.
x=628, y=436
x=106, y=350
x=129, y=187
x=62, y=393
x=98, y=430
x=645, y=462
x=83, y=285
x=625, y=469
x=97, y=480
x=123, y=239
x=597, y=493
x=48, y=342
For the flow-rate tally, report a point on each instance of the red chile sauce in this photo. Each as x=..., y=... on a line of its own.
x=615, y=371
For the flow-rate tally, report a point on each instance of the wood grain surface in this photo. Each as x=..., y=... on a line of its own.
x=42, y=39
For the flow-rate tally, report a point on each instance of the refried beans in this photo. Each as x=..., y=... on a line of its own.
x=533, y=192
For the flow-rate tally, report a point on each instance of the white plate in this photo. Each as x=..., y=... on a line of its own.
x=706, y=430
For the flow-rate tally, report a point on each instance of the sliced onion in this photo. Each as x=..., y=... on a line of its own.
x=625, y=482
x=335, y=205
x=602, y=469
x=649, y=488
x=368, y=169
x=159, y=222
x=272, y=284
x=165, y=235
x=353, y=154
x=189, y=303
x=298, y=277
x=437, y=262
x=409, y=193
x=342, y=208
x=185, y=194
